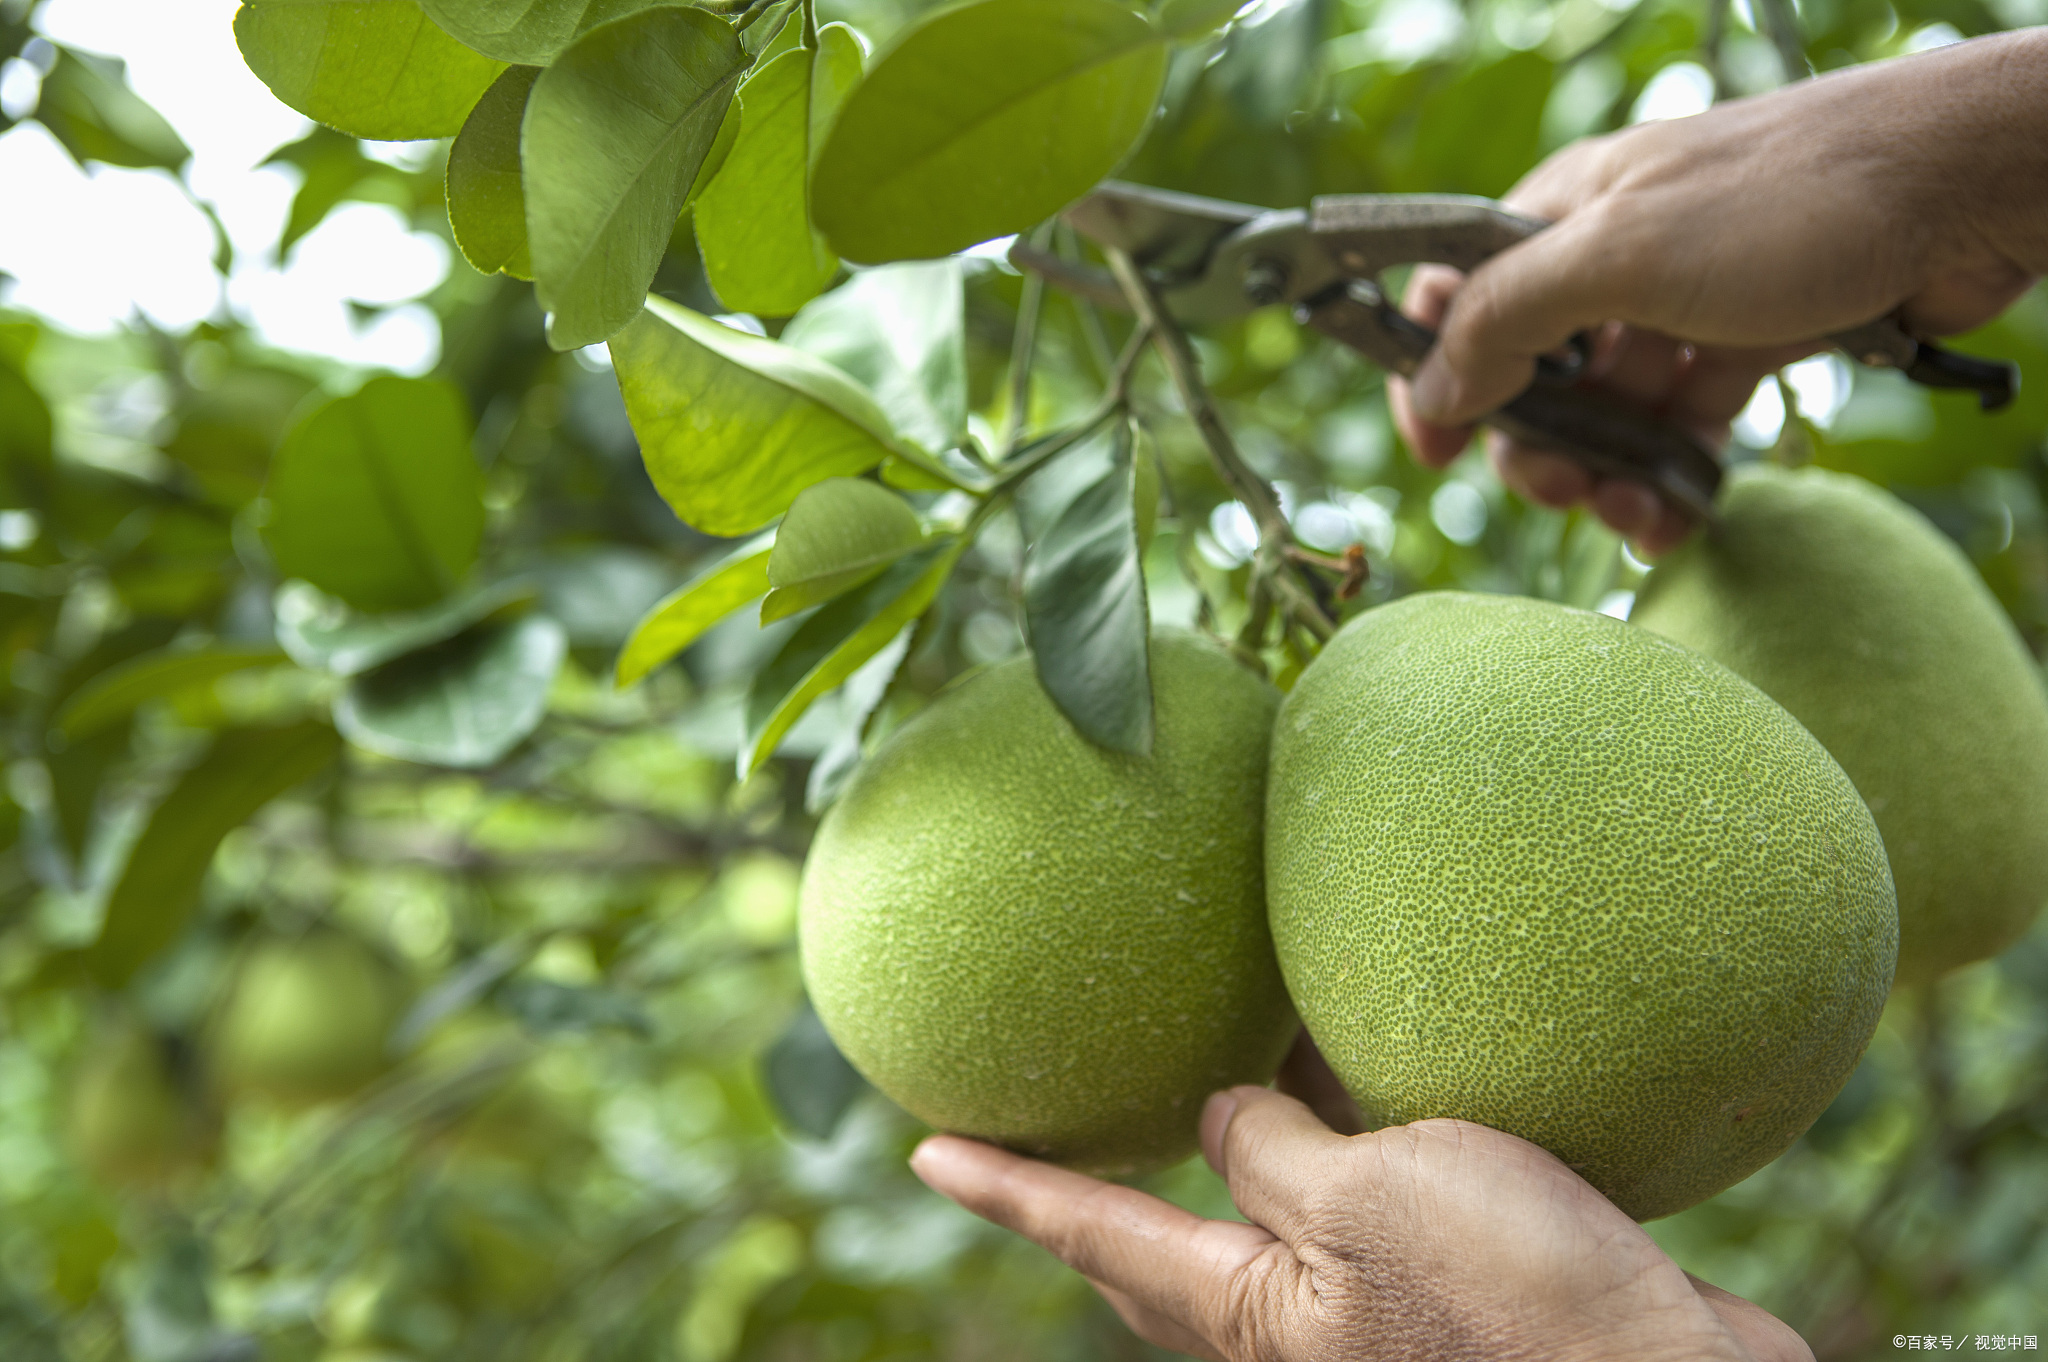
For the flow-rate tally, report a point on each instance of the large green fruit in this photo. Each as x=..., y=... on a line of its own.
x=306, y=1020
x=135, y=1115
x=1857, y=615
x=1024, y=938
x=1535, y=868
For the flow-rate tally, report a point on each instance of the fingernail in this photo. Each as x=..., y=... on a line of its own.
x=1432, y=392
x=1219, y=1109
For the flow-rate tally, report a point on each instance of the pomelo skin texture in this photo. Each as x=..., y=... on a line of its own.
x=1849, y=609
x=1535, y=868
x=1023, y=938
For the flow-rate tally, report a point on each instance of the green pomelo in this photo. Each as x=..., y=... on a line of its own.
x=134, y=1116
x=306, y=1020
x=1531, y=867
x=1024, y=938
x=1852, y=611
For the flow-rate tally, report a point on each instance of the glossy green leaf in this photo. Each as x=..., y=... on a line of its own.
x=838, y=534
x=159, y=884
x=115, y=693
x=465, y=702
x=761, y=252
x=898, y=330
x=732, y=426
x=377, y=498
x=614, y=135
x=370, y=68
x=811, y=1083
x=1084, y=598
x=323, y=635
x=528, y=32
x=681, y=618
x=833, y=643
x=87, y=106
x=984, y=119
x=486, y=194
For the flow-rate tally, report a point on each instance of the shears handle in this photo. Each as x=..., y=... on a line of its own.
x=1601, y=435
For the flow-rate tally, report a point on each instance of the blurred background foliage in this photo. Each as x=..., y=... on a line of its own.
x=308, y=1051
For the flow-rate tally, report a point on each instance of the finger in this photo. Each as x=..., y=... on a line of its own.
x=1673, y=528
x=1520, y=304
x=1154, y=1327
x=1425, y=299
x=1427, y=296
x=1273, y=1153
x=1641, y=366
x=1164, y=1258
x=1433, y=446
x=1767, y=1338
x=1719, y=381
x=1629, y=508
x=1539, y=475
x=1307, y=1077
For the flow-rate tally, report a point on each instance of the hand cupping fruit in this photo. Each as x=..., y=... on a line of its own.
x=1522, y=864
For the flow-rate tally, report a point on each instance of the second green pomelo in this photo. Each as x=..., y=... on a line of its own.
x=1024, y=938
x=1531, y=867
x=1856, y=614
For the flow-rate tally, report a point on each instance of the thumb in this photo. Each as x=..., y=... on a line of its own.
x=1524, y=302
x=1275, y=1155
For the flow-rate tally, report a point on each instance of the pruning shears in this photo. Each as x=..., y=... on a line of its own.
x=1213, y=260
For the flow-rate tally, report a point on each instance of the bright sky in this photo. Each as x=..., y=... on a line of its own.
x=89, y=249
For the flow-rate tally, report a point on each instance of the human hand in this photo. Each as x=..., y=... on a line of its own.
x=1438, y=1240
x=1706, y=252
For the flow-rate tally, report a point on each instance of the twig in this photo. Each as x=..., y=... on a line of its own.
x=1023, y=347
x=1781, y=26
x=1258, y=496
x=1092, y=330
x=1115, y=398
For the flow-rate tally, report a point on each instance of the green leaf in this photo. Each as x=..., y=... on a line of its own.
x=681, y=618
x=1190, y=19
x=985, y=119
x=332, y=169
x=833, y=643
x=322, y=635
x=838, y=534
x=720, y=153
x=115, y=693
x=486, y=196
x=898, y=331
x=377, y=498
x=530, y=32
x=811, y=1083
x=733, y=426
x=464, y=703
x=158, y=887
x=761, y=252
x=26, y=433
x=370, y=68
x=1084, y=597
x=87, y=106
x=614, y=135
